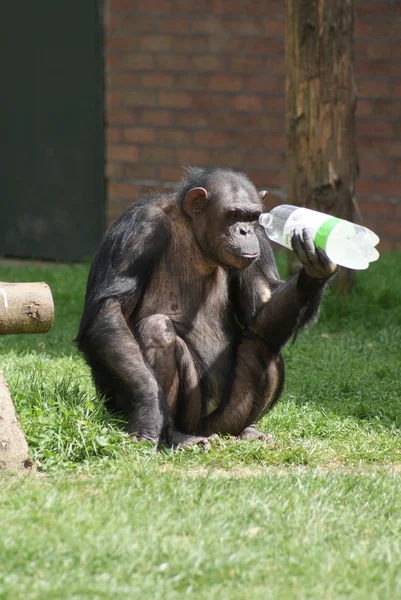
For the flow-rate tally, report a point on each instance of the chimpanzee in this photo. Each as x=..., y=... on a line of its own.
x=185, y=314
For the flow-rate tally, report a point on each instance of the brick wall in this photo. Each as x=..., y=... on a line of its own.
x=202, y=82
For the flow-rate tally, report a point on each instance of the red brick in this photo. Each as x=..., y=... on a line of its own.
x=226, y=8
x=192, y=156
x=155, y=6
x=159, y=117
x=373, y=88
x=398, y=210
x=190, y=6
x=209, y=101
x=388, y=188
x=139, y=135
x=376, y=209
x=247, y=103
x=376, y=167
x=191, y=81
x=364, y=108
x=113, y=170
x=270, y=8
x=174, y=62
x=157, y=155
x=112, y=134
x=389, y=229
x=246, y=64
x=273, y=180
x=175, y=137
x=123, y=190
x=121, y=41
x=397, y=89
x=374, y=10
x=156, y=43
x=112, y=22
x=269, y=161
x=387, y=68
x=228, y=158
x=122, y=153
x=112, y=61
x=156, y=80
x=225, y=83
x=225, y=45
x=122, y=116
x=275, y=141
x=364, y=187
x=375, y=128
x=138, y=171
x=364, y=68
x=246, y=140
x=171, y=173
x=244, y=26
x=123, y=5
x=193, y=119
x=261, y=46
x=367, y=48
x=362, y=29
x=386, y=245
x=113, y=98
x=139, y=23
x=211, y=139
x=397, y=50
x=174, y=25
x=275, y=65
x=229, y=120
x=212, y=25
x=267, y=123
x=387, y=29
x=208, y=62
x=191, y=43
x=175, y=99
x=263, y=84
x=138, y=98
x=274, y=104
x=138, y=62
x=388, y=108
x=120, y=79
x=388, y=147
x=274, y=27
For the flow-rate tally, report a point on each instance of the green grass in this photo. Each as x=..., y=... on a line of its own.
x=317, y=516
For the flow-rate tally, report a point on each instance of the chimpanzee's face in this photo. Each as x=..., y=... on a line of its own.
x=225, y=229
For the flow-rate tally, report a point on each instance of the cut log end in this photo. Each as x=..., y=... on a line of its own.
x=25, y=308
x=13, y=445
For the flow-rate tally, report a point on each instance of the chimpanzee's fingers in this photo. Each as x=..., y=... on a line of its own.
x=310, y=247
x=325, y=261
x=298, y=248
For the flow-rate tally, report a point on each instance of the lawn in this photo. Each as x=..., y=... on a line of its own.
x=318, y=515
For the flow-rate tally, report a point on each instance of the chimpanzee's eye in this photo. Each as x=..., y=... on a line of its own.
x=233, y=215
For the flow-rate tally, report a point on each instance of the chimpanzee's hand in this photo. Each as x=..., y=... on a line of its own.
x=314, y=260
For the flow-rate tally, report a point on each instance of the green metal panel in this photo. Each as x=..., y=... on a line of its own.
x=52, y=200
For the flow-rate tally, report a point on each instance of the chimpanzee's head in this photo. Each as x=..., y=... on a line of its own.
x=224, y=207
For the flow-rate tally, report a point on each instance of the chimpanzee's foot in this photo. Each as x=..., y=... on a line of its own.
x=251, y=433
x=183, y=440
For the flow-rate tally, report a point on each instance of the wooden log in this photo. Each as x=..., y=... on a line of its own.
x=13, y=445
x=322, y=160
x=25, y=308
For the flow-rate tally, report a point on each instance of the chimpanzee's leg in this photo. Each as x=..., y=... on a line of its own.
x=258, y=382
x=174, y=369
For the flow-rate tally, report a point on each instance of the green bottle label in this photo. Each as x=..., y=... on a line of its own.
x=324, y=231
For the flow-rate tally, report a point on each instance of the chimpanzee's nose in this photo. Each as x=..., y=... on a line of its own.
x=244, y=229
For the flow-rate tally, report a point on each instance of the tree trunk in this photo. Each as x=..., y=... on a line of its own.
x=25, y=308
x=13, y=445
x=322, y=162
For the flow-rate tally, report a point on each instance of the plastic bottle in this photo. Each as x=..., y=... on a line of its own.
x=345, y=243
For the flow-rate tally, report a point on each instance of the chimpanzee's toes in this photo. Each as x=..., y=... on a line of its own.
x=183, y=440
x=251, y=433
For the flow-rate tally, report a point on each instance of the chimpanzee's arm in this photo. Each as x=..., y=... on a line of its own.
x=119, y=275
x=275, y=310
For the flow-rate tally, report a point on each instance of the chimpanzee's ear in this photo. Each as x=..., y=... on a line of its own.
x=262, y=195
x=194, y=201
